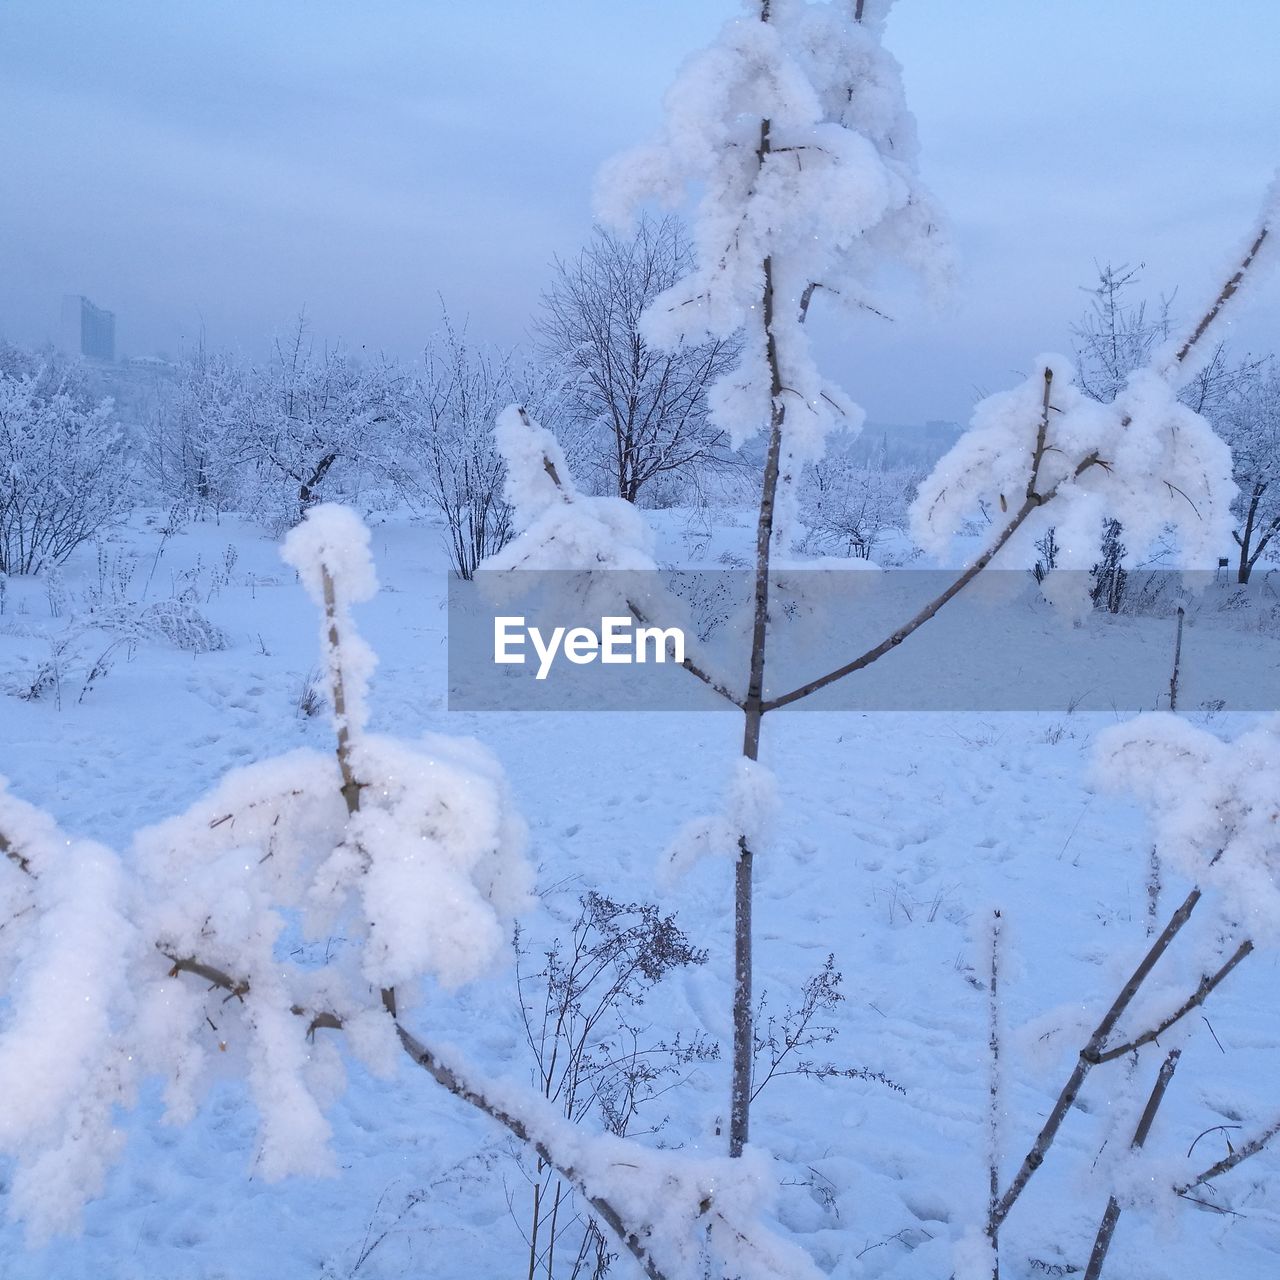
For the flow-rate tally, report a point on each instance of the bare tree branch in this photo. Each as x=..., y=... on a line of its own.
x=690, y=666
x=1111, y=1216
x=1208, y=984
x=1227, y=1163
x=1088, y=1055
x=1224, y=295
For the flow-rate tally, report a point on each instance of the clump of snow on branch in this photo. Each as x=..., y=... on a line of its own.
x=793, y=126
x=973, y=1257
x=557, y=526
x=692, y=1214
x=1145, y=457
x=1214, y=807
x=420, y=877
x=65, y=950
x=679, y=1197
x=330, y=551
x=749, y=814
x=444, y=869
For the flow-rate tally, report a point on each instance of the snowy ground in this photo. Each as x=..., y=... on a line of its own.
x=901, y=832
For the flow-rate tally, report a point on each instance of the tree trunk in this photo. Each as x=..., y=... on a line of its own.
x=306, y=491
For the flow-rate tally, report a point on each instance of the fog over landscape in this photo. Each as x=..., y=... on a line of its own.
x=639, y=640
x=216, y=168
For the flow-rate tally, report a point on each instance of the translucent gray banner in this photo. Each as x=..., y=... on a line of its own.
x=609, y=641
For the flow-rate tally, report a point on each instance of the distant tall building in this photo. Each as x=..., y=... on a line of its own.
x=87, y=330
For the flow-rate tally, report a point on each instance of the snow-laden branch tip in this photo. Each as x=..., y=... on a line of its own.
x=1212, y=805
x=557, y=526
x=793, y=127
x=748, y=815
x=65, y=947
x=1145, y=455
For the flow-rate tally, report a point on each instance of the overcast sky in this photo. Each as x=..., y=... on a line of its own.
x=220, y=165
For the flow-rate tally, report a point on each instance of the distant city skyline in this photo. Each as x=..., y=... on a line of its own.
x=86, y=329
x=215, y=170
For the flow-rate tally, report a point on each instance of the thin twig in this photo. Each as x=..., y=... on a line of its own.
x=993, y=1101
x=446, y=1076
x=1111, y=1216
x=1088, y=1055
x=690, y=666
x=1207, y=985
x=1227, y=1163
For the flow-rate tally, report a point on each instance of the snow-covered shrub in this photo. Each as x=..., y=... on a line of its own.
x=182, y=624
x=197, y=447
x=445, y=462
x=848, y=506
x=63, y=474
x=593, y=1054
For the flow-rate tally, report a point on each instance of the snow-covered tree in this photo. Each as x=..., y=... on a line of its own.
x=442, y=459
x=198, y=450
x=63, y=473
x=641, y=409
x=314, y=421
x=848, y=505
x=1250, y=423
x=793, y=128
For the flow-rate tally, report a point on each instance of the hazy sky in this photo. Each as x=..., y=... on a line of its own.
x=223, y=164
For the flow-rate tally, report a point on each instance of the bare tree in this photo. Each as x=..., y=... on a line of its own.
x=1117, y=333
x=446, y=461
x=642, y=409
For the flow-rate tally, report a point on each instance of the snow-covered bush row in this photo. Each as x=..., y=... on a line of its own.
x=63, y=475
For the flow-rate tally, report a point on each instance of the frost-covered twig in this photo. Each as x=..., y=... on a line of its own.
x=347, y=711
x=993, y=1098
x=1177, y=660
x=712, y=682
x=1225, y=294
x=1107, y=1228
x=1208, y=984
x=1229, y=1162
x=445, y=1075
x=338, y=691
x=1089, y=1057
x=15, y=855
